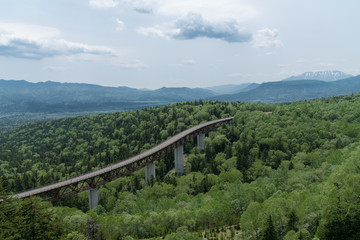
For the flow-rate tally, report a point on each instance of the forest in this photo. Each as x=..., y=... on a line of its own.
x=279, y=171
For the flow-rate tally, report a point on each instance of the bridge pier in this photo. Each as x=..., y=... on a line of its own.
x=93, y=198
x=149, y=173
x=200, y=141
x=179, y=159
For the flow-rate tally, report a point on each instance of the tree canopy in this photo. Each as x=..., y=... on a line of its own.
x=292, y=170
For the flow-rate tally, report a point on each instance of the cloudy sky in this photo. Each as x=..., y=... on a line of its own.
x=172, y=43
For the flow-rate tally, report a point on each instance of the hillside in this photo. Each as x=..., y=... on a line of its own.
x=294, y=172
x=232, y=88
x=297, y=90
x=22, y=96
x=22, y=101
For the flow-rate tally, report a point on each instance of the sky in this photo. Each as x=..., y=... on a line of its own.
x=176, y=43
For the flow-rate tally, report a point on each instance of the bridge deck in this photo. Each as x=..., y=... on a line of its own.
x=121, y=164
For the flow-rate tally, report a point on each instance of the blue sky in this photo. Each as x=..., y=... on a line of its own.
x=172, y=43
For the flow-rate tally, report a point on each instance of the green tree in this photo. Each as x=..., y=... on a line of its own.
x=293, y=218
x=252, y=220
x=342, y=219
x=9, y=218
x=270, y=232
x=39, y=220
x=28, y=219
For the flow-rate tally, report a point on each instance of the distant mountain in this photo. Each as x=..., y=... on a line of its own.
x=22, y=101
x=232, y=88
x=180, y=94
x=296, y=90
x=23, y=96
x=327, y=76
x=250, y=87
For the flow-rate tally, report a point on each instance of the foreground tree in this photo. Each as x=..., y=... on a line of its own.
x=9, y=219
x=342, y=220
x=270, y=231
x=28, y=219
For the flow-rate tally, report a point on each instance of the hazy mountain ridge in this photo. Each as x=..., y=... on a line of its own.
x=22, y=101
x=297, y=90
x=54, y=97
x=232, y=88
x=23, y=96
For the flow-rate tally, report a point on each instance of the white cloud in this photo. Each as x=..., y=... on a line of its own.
x=20, y=30
x=103, y=3
x=39, y=49
x=266, y=38
x=140, y=6
x=189, y=19
x=193, y=26
x=158, y=30
x=119, y=25
x=210, y=10
x=35, y=42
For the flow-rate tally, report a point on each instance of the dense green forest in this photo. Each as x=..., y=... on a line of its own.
x=285, y=171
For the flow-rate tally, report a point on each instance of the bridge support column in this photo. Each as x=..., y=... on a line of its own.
x=149, y=173
x=93, y=198
x=200, y=141
x=179, y=159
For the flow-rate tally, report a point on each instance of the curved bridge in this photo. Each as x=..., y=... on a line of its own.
x=91, y=180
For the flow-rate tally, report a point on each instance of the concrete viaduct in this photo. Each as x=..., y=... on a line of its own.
x=92, y=180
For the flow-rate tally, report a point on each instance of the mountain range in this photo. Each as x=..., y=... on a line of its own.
x=23, y=96
x=27, y=101
x=296, y=90
x=232, y=88
x=20, y=96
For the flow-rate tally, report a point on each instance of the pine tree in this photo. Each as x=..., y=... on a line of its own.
x=301, y=237
x=292, y=221
x=38, y=220
x=9, y=219
x=5, y=185
x=270, y=231
x=291, y=166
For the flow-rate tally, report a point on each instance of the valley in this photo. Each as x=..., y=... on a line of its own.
x=283, y=172
x=22, y=101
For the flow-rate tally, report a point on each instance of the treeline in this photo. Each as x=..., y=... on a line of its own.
x=286, y=171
